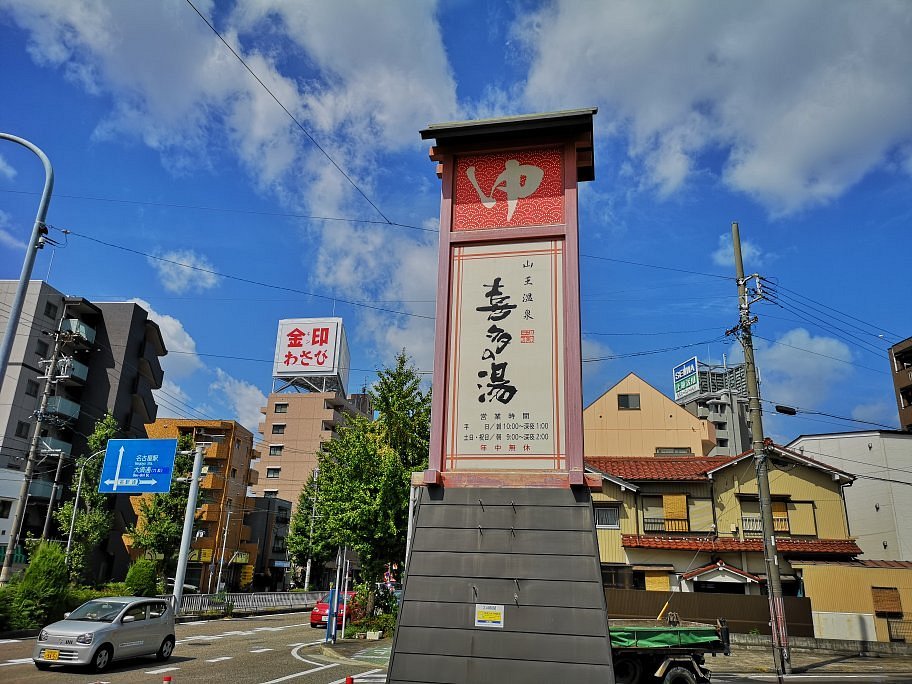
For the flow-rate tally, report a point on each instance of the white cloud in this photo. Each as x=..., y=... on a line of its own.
x=800, y=99
x=7, y=239
x=171, y=399
x=180, y=272
x=6, y=170
x=181, y=360
x=244, y=398
x=751, y=254
x=802, y=370
x=882, y=412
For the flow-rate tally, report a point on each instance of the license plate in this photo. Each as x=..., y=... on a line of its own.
x=49, y=654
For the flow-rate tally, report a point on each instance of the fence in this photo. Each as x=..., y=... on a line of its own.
x=900, y=630
x=219, y=605
x=744, y=613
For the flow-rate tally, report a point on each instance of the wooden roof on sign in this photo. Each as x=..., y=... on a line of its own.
x=568, y=125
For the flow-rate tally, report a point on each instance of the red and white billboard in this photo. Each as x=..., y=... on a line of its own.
x=311, y=347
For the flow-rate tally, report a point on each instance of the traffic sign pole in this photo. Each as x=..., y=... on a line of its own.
x=187, y=535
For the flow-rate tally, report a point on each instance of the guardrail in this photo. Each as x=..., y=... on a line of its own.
x=220, y=605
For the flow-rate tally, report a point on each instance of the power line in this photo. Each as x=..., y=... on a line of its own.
x=663, y=268
x=290, y=115
x=227, y=210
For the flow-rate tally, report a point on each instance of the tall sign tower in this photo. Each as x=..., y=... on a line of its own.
x=311, y=354
x=503, y=577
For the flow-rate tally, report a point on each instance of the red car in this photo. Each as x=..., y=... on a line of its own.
x=320, y=614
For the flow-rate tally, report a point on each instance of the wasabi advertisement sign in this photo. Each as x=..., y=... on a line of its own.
x=686, y=379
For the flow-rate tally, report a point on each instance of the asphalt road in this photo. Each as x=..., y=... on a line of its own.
x=256, y=650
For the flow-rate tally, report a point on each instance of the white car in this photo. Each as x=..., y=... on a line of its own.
x=103, y=630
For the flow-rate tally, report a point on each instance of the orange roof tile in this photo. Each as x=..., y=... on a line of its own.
x=791, y=547
x=659, y=467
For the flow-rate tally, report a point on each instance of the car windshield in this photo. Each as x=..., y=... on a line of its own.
x=97, y=611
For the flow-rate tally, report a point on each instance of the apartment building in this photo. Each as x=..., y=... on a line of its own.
x=224, y=544
x=295, y=425
x=269, y=520
x=107, y=362
x=901, y=365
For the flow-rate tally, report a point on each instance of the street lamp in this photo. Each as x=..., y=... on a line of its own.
x=76, y=504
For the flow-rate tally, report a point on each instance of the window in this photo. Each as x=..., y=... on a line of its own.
x=138, y=612
x=281, y=408
x=278, y=429
x=22, y=429
x=673, y=451
x=5, y=507
x=31, y=388
x=608, y=517
x=50, y=310
x=629, y=402
x=278, y=546
x=275, y=449
x=720, y=425
x=273, y=472
x=271, y=493
x=41, y=348
x=233, y=473
x=156, y=610
x=886, y=602
x=722, y=442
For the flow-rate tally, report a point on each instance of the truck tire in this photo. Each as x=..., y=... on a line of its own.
x=679, y=675
x=628, y=670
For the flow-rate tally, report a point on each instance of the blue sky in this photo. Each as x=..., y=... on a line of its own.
x=794, y=119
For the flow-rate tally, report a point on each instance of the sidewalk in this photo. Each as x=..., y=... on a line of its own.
x=741, y=661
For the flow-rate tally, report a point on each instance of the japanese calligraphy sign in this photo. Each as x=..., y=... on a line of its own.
x=505, y=388
x=310, y=347
x=522, y=188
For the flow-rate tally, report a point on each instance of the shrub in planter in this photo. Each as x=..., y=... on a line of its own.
x=141, y=578
x=41, y=595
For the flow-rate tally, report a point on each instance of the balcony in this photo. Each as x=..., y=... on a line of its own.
x=83, y=332
x=51, y=444
x=40, y=489
x=70, y=370
x=253, y=477
x=213, y=481
x=652, y=525
x=209, y=513
x=752, y=525
x=63, y=407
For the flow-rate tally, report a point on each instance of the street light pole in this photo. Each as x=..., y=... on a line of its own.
x=187, y=536
x=76, y=505
x=218, y=582
x=35, y=243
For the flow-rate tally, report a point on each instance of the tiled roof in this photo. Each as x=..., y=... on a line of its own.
x=790, y=547
x=720, y=565
x=884, y=564
x=677, y=468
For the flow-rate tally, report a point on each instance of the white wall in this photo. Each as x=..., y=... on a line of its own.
x=851, y=626
x=10, y=484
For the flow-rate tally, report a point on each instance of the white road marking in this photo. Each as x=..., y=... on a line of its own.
x=370, y=675
x=17, y=661
x=301, y=674
x=195, y=622
x=162, y=670
x=219, y=659
x=260, y=650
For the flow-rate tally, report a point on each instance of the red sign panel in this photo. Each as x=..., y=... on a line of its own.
x=502, y=190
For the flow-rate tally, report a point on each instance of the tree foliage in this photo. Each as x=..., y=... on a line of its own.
x=160, y=523
x=43, y=590
x=141, y=578
x=360, y=496
x=94, y=518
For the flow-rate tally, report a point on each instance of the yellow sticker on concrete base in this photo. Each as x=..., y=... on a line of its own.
x=489, y=615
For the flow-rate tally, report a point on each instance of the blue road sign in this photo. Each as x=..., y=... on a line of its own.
x=138, y=466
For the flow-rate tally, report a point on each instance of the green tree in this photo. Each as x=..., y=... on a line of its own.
x=94, y=518
x=41, y=595
x=160, y=523
x=361, y=494
x=403, y=412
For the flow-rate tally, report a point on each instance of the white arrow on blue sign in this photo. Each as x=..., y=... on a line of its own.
x=138, y=466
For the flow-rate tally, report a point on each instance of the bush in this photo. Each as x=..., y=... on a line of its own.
x=141, y=578
x=41, y=595
x=7, y=594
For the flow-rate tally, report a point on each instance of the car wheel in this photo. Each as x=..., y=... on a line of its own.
x=166, y=649
x=627, y=670
x=42, y=666
x=679, y=675
x=102, y=658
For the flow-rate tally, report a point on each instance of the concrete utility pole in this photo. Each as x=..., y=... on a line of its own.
x=313, y=516
x=19, y=516
x=35, y=243
x=187, y=536
x=771, y=556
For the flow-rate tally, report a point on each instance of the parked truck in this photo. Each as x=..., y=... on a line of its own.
x=666, y=652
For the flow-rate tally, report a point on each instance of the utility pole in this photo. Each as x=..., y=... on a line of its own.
x=60, y=338
x=187, y=536
x=218, y=582
x=19, y=516
x=770, y=553
x=313, y=516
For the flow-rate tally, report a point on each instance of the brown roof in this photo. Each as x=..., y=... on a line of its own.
x=790, y=547
x=676, y=468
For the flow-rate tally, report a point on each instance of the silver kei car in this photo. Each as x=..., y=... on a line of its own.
x=107, y=629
